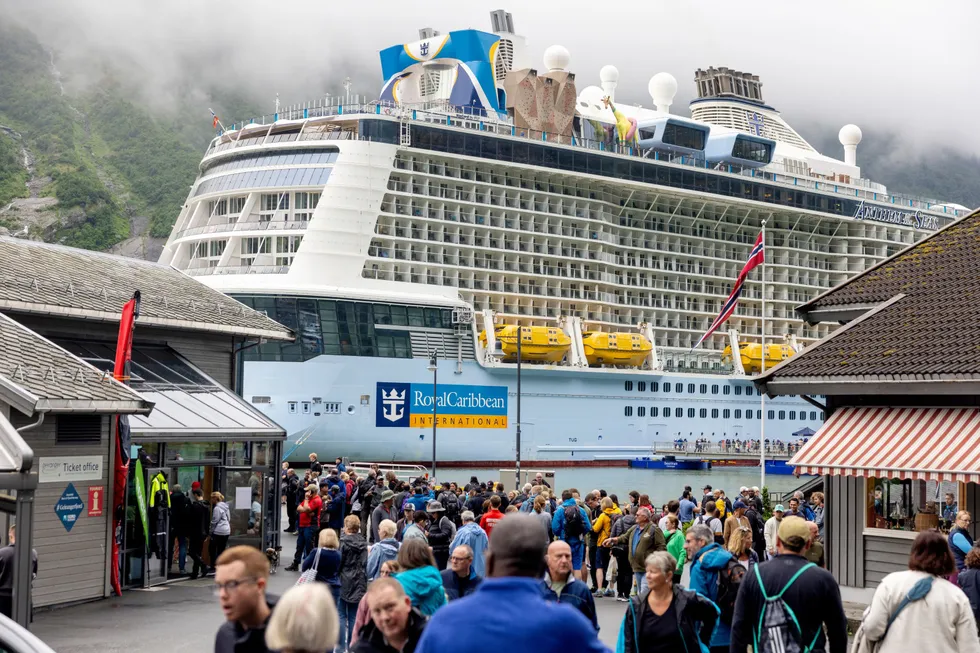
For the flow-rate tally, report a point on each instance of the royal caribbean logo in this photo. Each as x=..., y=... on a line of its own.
x=393, y=404
x=457, y=406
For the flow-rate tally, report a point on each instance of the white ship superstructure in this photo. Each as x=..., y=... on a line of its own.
x=478, y=187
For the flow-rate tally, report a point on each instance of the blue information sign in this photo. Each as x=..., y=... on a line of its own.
x=69, y=507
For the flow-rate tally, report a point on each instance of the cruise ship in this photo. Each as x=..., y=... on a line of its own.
x=479, y=199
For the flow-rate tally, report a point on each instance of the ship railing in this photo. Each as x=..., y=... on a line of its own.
x=237, y=269
x=730, y=447
x=467, y=118
x=401, y=471
x=250, y=225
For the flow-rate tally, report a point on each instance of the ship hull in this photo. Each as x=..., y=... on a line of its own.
x=379, y=409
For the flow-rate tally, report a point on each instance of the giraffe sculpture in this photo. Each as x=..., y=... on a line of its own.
x=625, y=127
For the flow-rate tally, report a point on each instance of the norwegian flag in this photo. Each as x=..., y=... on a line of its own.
x=756, y=258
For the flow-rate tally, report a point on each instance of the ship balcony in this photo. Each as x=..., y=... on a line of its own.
x=251, y=225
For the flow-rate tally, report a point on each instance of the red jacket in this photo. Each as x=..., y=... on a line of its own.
x=307, y=519
x=490, y=519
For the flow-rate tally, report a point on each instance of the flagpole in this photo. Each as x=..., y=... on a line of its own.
x=217, y=119
x=762, y=395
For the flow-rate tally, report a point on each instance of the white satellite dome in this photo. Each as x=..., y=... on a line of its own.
x=662, y=88
x=850, y=135
x=556, y=58
x=590, y=97
x=609, y=74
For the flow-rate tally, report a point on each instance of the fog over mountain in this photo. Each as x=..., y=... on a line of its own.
x=884, y=64
x=104, y=103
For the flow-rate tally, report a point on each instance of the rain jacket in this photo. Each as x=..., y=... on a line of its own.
x=353, y=565
x=675, y=547
x=424, y=586
x=603, y=524
x=476, y=538
x=704, y=580
x=558, y=521
x=380, y=553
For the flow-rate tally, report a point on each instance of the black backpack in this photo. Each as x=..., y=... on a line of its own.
x=451, y=504
x=729, y=580
x=574, y=524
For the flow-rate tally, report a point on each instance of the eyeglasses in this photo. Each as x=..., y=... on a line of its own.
x=458, y=559
x=233, y=585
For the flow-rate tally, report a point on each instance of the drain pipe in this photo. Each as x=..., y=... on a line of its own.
x=34, y=425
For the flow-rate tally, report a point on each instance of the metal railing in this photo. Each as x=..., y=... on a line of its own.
x=727, y=448
x=251, y=225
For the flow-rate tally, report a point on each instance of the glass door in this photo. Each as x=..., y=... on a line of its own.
x=244, y=489
x=160, y=546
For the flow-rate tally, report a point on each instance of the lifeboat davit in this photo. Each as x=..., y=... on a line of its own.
x=539, y=344
x=616, y=349
x=751, y=355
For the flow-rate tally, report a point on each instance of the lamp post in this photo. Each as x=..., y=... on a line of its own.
x=518, y=459
x=434, y=368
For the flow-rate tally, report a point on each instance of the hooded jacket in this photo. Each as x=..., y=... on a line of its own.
x=372, y=640
x=441, y=534
x=603, y=524
x=705, y=566
x=232, y=638
x=558, y=521
x=675, y=547
x=220, y=519
x=474, y=537
x=696, y=618
x=380, y=553
x=424, y=587
x=353, y=567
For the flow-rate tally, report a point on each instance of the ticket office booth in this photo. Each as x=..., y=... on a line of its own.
x=245, y=472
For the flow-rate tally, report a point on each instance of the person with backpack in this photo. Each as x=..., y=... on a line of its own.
x=602, y=527
x=570, y=523
x=441, y=533
x=717, y=575
x=710, y=519
x=624, y=573
x=642, y=539
x=785, y=603
x=666, y=617
x=450, y=503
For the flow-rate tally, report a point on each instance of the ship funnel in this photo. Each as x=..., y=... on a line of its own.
x=609, y=78
x=850, y=136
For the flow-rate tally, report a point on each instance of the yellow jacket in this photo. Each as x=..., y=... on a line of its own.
x=603, y=525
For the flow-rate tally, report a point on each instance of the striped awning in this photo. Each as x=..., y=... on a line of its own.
x=931, y=444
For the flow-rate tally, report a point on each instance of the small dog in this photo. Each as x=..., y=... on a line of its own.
x=273, y=554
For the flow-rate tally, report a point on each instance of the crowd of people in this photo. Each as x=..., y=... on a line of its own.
x=430, y=568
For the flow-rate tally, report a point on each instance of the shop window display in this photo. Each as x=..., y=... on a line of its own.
x=912, y=506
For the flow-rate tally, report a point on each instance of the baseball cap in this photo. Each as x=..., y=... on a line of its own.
x=196, y=485
x=794, y=532
x=742, y=489
x=739, y=504
x=779, y=508
x=706, y=487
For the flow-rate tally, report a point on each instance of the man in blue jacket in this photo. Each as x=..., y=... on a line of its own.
x=560, y=586
x=523, y=621
x=708, y=558
x=571, y=530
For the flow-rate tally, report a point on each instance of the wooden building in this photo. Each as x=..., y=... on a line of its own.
x=59, y=319
x=901, y=380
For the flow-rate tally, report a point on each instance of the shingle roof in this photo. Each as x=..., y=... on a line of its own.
x=41, y=278
x=945, y=258
x=925, y=326
x=36, y=374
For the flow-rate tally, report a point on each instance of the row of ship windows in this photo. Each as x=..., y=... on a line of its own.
x=317, y=406
x=278, y=159
x=726, y=413
x=641, y=386
x=279, y=178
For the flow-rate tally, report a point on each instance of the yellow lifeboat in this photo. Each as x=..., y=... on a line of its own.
x=751, y=354
x=618, y=349
x=539, y=344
